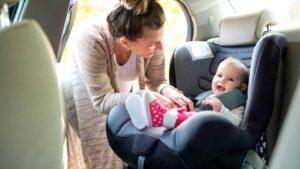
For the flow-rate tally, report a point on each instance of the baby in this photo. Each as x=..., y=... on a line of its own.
x=231, y=74
x=147, y=111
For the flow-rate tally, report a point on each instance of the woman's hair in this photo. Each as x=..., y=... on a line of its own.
x=129, y=17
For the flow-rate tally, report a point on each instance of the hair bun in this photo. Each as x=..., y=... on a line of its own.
x=137, y=6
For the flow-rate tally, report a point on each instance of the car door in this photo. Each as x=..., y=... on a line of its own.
x=55, y=17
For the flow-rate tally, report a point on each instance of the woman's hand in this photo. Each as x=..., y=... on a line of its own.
x=178, y=98
x=215, y=103
x=169, y=104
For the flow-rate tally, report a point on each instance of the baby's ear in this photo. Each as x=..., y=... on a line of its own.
x=244, y=87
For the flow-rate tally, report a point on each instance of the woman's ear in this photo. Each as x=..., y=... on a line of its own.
x=244, y=87
x=124, y=42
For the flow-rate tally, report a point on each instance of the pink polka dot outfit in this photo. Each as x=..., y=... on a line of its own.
x=158, y=113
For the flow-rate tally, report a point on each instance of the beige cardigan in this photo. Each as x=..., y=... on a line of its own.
x=92, y=50
x=94, y=81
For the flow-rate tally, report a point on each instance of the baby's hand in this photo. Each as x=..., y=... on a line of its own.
x=215, y=103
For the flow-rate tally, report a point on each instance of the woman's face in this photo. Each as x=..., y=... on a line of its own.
x=149, y=44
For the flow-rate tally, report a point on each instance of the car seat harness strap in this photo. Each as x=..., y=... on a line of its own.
x=142, y=146
x=141, y=161
x=231, y=99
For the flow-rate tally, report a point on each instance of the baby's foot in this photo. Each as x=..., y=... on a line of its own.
x=175, y=117
x=160, y=115
x=136, y=111
x=155, y=110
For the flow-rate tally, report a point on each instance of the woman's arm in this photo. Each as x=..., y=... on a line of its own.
x=90, y=51
x=155, y=73
x=155, y=79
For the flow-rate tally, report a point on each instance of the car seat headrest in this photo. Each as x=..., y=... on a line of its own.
x=244, y=29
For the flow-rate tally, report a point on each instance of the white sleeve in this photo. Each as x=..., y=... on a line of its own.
x=235, y=115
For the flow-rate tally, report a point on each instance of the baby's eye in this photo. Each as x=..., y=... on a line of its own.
x=231, y=79
x=218, y=75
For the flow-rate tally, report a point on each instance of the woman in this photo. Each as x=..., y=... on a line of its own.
x=111, y=56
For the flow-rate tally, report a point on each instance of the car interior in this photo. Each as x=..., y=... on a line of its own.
x=42, y=104
x=196, y=143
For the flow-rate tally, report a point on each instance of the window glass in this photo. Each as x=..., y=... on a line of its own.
x=175, y=29
x=287, y=13
x=175, y=26
x=12, y=11
x=15, y=10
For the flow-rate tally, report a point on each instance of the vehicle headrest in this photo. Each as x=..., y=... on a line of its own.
x=8, y=2
x=244, y=29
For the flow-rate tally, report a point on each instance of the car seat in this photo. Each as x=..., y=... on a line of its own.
x=32, y=121
x=207, y=140
x=203, y=57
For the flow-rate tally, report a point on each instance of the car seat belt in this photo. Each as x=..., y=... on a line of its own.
x=231, y=99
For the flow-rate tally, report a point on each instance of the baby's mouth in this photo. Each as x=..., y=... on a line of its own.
x=220, y=89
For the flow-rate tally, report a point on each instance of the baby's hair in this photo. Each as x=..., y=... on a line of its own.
x=239, y=65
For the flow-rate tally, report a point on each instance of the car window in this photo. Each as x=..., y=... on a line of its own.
x=15, y=10
x=175, y=26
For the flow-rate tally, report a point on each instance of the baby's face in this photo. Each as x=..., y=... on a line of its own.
x=228, y=77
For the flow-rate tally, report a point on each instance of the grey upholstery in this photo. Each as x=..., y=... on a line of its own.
x=31, y=120
x=287, y=150
x=290, y=71
x=201, y=69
